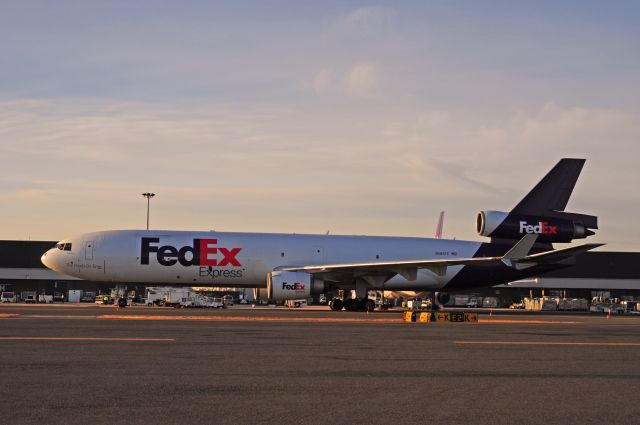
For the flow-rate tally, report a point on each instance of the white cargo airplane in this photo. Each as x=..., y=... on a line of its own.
x=294, y=266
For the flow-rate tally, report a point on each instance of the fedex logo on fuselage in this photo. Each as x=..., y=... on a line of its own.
x=293, y=287
x=542, y=228
x=204, y=252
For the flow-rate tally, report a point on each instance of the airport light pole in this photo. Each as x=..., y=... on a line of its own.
x=148, y=195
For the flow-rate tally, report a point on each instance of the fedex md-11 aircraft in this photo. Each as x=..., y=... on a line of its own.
x=295, y=266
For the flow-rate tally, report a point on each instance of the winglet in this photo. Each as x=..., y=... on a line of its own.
x=522, y=248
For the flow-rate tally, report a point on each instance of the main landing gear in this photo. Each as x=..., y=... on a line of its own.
x=441, y=298
x=353, y=304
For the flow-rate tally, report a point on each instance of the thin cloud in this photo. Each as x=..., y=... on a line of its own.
x=323, y=81
x=363, y=81
x=367, y=17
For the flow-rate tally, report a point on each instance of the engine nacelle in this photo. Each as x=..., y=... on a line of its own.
x=502, y=225
x=289, y=286
x=442, y=298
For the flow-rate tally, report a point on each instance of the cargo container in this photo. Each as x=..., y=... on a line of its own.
x=74, y=295
x=45, y=298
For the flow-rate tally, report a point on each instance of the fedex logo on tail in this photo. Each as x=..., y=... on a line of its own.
x=204, y=252
x=542, y=228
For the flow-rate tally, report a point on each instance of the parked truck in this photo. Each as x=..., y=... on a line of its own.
x=8, y=297
x=155, y=295
x=179, y=298
x=29, y=297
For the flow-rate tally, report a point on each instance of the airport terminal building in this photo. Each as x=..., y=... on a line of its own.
x=615, y=272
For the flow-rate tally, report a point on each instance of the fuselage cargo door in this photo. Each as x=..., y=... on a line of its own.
x=88, y=250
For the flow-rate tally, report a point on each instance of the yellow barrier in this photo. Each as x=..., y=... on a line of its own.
x=439, y=316
x=471, y=317
x=442, y=316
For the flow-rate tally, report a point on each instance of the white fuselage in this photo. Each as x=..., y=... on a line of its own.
x=240, y=259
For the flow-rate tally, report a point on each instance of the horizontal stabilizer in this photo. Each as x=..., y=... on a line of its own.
x=561, y=254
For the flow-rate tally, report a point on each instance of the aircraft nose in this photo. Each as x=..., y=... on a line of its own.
x=48, y=259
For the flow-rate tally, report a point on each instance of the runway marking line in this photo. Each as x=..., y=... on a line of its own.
x=309, y=319
x=55, y=316
x=249, y=319
x=560, y=343
x=48, y=338
x=528, y=322
x=273, y=319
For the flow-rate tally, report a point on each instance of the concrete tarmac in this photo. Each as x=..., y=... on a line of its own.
x=91, y=364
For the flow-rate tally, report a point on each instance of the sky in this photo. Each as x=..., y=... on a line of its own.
x=307, y=117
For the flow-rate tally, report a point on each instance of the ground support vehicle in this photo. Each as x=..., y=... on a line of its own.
x=45, y=299
x=9, y=297
x=28, y=297
x=296, y=303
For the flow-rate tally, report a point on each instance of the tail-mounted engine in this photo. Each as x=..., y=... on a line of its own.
x=289, y=286
x=555, y=227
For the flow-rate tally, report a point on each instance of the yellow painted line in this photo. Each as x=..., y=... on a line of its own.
x=528, y=322
x=47, y=338
x=7, y=315
x=562, y=343
x=250, y=319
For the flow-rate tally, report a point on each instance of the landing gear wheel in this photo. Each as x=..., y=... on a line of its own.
x=352, y=305
x=441, y=298
x=122, y=302
x=368, y=305
x=336, y=304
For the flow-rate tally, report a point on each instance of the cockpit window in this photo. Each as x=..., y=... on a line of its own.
x=67, y=247
x=60, y=246
x=64, y=246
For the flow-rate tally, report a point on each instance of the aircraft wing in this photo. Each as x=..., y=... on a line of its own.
x=516, y=257
x=439, y=267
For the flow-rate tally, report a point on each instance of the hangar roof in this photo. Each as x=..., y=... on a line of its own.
x=23, y=254
x=602, y=265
